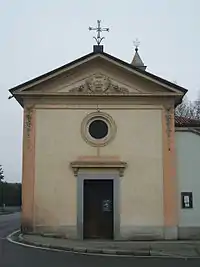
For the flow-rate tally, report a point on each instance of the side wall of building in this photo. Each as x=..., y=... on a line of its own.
x=188, y=175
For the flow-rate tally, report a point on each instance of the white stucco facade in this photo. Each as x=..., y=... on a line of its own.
x=188, y=178
x=59, y=142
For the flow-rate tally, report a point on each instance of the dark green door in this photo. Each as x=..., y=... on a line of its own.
x=98, y=209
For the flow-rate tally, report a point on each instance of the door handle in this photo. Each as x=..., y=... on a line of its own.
x=107, y=205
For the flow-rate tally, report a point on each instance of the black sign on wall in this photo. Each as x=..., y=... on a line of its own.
x=186, y=200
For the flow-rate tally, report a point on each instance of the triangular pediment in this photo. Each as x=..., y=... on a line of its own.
x=98, y=74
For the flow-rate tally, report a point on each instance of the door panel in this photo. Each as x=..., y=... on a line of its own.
x=98, y=209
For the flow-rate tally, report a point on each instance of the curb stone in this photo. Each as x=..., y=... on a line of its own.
x=21, y=238
x=141, y=252
x=123, y=252
x=59, y=248
x=88, y=250
x=158, y=253
x=108, y=251
x=94, y=250
x=80, y=250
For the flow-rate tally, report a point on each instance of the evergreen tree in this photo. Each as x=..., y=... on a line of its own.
x=1, y=173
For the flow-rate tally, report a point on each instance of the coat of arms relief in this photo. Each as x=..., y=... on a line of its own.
x=98, y=84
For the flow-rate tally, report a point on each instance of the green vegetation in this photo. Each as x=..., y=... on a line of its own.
x=10, y=193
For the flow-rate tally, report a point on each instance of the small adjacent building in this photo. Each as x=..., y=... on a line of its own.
x=99, y=156
x=187, y=144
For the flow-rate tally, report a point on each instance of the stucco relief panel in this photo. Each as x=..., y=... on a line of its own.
x=98, y=83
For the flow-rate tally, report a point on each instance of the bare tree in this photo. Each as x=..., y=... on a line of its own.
x=196, y=106
x=185, y=109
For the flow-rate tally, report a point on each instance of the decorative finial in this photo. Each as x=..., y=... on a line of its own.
x=98, y=29
x=137, y=61
x=136, y=44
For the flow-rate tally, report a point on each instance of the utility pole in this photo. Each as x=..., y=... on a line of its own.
x=2, y=188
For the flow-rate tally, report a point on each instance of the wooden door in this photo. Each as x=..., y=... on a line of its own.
x=98, y=209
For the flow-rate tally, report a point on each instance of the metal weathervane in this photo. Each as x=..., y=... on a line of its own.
x=136, y=44
x=99, y=30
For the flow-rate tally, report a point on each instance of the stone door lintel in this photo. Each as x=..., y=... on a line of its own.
x=98, y=163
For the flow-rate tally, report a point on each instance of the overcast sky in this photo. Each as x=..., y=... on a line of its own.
x=38, y=36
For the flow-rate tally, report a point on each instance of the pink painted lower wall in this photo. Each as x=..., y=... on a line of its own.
x=28, y=173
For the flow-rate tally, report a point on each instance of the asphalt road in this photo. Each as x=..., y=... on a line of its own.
x=13, y=255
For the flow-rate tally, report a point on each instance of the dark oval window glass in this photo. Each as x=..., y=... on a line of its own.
x=98, y=129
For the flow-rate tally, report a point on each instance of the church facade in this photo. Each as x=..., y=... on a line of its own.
x=99, y=151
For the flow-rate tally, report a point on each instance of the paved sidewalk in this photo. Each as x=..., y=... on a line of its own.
x=6, y=212
x=9, y=210
x=180, y=249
